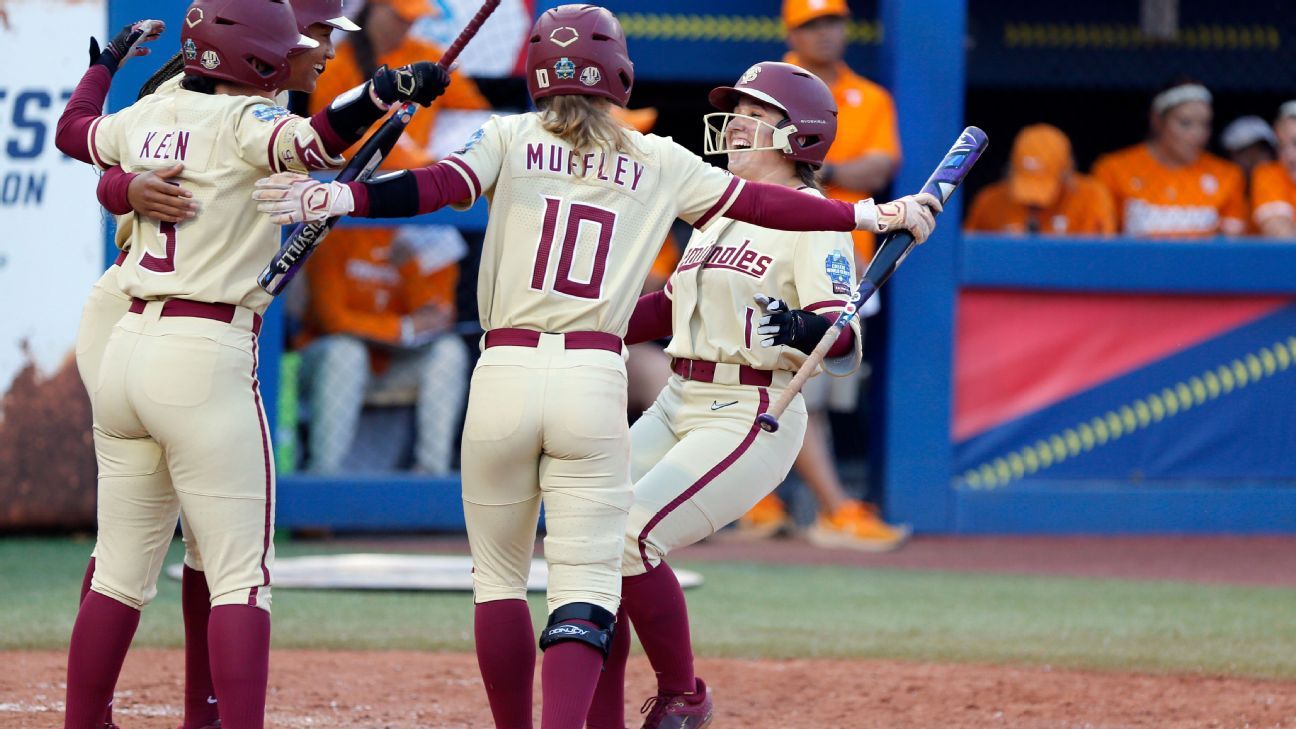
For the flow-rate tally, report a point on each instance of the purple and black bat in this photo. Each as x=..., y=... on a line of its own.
x=942, y=184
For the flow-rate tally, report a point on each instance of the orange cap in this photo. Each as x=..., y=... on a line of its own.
x=409, y=10
x=1041, y=157
x=797, y=13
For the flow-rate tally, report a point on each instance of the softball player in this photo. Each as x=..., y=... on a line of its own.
x=579, y=207
x=152, y=195
x=745, y=305
x=186, y=353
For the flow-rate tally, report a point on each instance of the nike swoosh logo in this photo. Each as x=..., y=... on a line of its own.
x=211, y=699
x=716, y=404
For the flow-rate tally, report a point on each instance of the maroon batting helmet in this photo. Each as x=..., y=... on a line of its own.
x=581, y=50
x=811, y=124
x=329, y=12
x=241, y=41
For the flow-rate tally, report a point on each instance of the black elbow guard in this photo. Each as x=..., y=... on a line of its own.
x=393, y=195
x=353, y=112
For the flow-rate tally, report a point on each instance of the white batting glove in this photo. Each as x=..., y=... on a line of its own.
x=291, y=197
x=915, y=213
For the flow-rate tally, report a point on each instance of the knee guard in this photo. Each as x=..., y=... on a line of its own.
x=561, y=626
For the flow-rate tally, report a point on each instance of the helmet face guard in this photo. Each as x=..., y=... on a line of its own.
x=806, y=102
x=715, y=137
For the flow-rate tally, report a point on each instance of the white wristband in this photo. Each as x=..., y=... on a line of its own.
x=344, y=202
x=866, y=215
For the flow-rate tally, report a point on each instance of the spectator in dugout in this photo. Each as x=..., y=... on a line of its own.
x=379, y=324
x=861, y=162
x=1249, y=142
x=1273, y=184
x=1169, y=186
x=1042, y=193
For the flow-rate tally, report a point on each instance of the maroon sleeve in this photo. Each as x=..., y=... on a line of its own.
x=783, y=208
x=651, y=318
x=845, y=341
x=86, y=105
x=394, y=196
x=113, y=186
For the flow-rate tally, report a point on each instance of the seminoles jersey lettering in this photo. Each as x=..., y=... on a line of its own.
x=573, y=234
x=226, y=143
x=714, y=315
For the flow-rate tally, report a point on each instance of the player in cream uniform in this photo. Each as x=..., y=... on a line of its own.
x=739, y=296
x=579, y=207
x=176, y=389
x=151, y=195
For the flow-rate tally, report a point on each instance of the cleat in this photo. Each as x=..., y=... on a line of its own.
x=679, y=711
x=855, y=525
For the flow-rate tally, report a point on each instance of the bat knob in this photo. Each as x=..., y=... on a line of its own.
x=768, y=423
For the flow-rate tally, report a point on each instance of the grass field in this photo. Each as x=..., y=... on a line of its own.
x=763, y=611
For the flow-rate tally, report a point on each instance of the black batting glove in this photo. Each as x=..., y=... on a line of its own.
x=128, y=43
x=420, y=82
x=797, y=328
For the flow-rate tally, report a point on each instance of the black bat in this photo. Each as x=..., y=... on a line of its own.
x=304, y=238
x=895, y=247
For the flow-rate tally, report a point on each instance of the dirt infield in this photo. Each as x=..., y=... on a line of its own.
x=442, y=690
x=404, y=690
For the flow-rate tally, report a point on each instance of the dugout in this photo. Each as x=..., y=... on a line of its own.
x=1189, y=432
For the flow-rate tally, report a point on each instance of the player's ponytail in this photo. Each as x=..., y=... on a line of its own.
x=170, y=69
x=808, y=175
x=585, y=123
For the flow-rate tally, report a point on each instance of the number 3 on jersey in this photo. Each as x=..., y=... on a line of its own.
x=167, y=264
x=601, y=223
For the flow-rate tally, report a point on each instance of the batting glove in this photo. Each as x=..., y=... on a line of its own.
x=796, y=328
x=290, y=197
x=420, y=82
x=915, y=213
x=128, y=43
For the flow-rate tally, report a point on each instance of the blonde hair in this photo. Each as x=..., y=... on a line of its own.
x=585, y=123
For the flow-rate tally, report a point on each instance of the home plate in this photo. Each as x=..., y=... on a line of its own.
x=396, y=572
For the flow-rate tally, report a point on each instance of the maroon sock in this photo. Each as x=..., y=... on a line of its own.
x=238, y=637
x=607, y=711
x=506, y=655
x=85, y=590
x=655, y=603
x=199, y=697
x=568, y=675
x=102, y=634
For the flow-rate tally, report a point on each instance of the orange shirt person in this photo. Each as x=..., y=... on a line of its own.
x=1043, y=193
x=866, y=153
x=1273, y=184
x=1169, y=186
x=385, y=41
x=382, y=300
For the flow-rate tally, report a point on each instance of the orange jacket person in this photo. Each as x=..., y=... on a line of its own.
x=1169, y=186
x=1043, y=193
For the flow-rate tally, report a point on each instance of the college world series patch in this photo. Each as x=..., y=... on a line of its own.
x=837, y=266
x=268, y=113
x=472, y=141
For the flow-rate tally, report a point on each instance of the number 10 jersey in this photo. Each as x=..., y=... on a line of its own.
x=573, y=234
